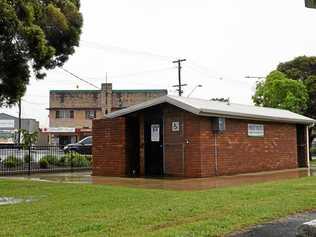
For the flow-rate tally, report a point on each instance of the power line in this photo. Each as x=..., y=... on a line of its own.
x=79, y=78
x=143, y=72
x=123, y=50
x=204, y=73
x=33, y=103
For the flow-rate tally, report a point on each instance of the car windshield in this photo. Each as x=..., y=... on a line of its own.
x=86, y=141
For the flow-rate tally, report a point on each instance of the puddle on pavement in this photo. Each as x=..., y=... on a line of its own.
x=181, y=184
x=13, y=200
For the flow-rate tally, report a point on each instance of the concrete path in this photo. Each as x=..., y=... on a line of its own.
x=174, y=183
x=285, y=227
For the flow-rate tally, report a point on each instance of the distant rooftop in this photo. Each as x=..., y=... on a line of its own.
x=74, y=91
x=140, y=91
x=113, y=91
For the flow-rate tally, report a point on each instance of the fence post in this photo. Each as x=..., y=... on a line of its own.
x=71, y=161
x=29, y=160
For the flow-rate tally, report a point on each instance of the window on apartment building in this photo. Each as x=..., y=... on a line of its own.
x=91, y=114
x=64, y=114
x=255, y=130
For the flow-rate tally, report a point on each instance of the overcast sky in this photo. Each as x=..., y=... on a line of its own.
x=223, y=41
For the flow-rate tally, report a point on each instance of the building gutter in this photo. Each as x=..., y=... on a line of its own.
x=310, y=122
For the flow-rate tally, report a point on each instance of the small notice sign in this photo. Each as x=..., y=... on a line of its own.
x=175, y=126
x=155, y=132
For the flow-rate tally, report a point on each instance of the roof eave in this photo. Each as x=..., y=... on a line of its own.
x=257, y=118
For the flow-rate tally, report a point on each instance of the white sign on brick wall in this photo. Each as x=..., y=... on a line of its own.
x=155, y=132
x=175, y=126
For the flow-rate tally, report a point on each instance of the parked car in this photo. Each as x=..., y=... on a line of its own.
x=82, y=147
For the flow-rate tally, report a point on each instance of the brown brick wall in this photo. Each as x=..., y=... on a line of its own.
x=173, y=143
x=191, y=151
x=109, y=147
x=239, y=153
x=236, y=151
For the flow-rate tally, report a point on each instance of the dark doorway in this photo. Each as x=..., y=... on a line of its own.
x=132, y=136
x=301, y=146
x=153, y=135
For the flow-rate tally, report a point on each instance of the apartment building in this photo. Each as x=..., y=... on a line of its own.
x=71, y=111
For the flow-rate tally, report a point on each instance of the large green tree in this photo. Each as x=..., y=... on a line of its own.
x=278, y=91
x=303, y=69
x=35, y=35
x=310, y=3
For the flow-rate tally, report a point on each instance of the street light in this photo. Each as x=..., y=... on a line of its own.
x=252, y=77
x=194, y=90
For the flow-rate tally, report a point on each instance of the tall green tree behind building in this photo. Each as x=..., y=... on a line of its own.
x=278, y=91
x=303, y=69
x=34, y=35
x=310, y=3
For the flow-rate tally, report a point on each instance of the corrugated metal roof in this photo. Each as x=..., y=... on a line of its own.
x=214, y=108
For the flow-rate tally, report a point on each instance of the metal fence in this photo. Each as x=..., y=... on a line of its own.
x=15, y=159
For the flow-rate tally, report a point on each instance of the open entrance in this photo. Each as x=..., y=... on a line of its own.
x=301, y=146
x=153, y=138
x=132, y=136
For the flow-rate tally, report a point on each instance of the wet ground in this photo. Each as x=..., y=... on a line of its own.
x=173, y=183
x=14, y=200
x=286, y=227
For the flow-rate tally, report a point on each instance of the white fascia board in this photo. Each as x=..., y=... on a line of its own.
x=211, y=113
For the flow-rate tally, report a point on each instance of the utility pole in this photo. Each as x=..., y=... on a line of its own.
x=19, y=132
x=180, y=85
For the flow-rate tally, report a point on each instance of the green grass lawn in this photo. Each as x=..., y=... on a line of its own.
x=96, y=210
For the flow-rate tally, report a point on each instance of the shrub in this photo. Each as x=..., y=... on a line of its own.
x=75, y=159
x=80, y=161
x=43, y=163
x=11, y=162
x=313, y=150
x=52, y=160
x=27, y=158
x=62, y=161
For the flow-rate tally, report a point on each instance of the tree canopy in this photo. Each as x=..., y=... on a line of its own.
x=34, y=35
x=278, y=91
x=310, y=3
x=303, y=69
